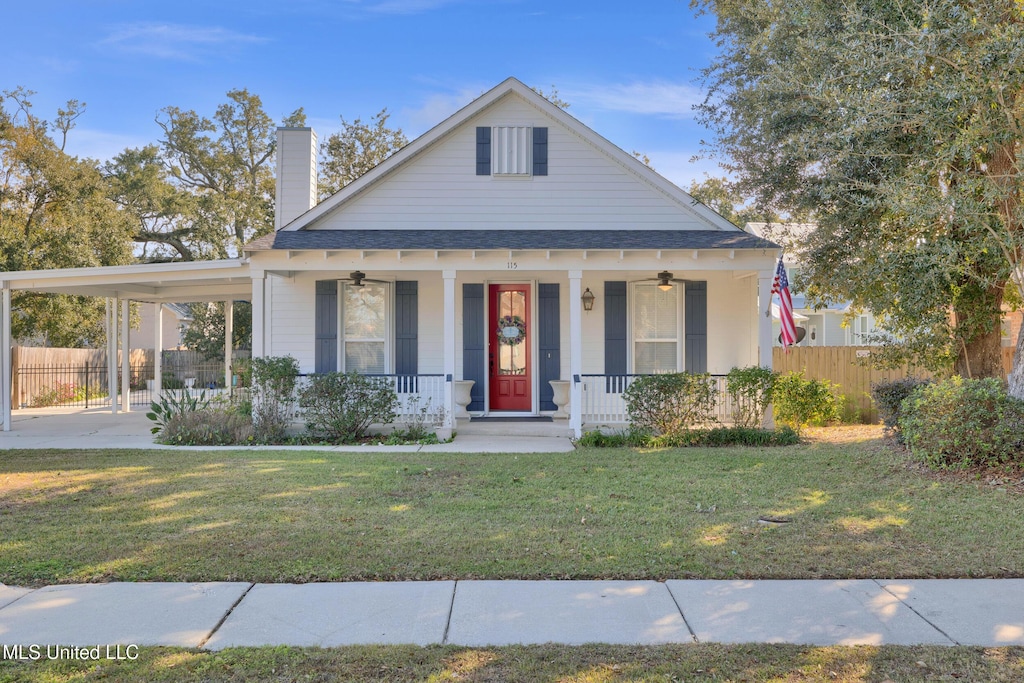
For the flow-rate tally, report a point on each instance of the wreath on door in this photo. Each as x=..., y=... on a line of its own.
x=511, y=330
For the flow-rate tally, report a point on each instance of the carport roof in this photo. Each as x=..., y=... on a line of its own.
x=153, y=282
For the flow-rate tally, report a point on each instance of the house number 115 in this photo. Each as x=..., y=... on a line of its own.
x=512, y=265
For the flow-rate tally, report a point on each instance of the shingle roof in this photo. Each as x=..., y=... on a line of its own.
x=509, y=239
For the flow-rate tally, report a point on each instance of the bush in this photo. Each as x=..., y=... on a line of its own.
x=209, y=427
x=959, y=423
x=751, y=391
x=800, y=402
x=599, y=439
x=340, y=407
x=671, y=403
x=273, y=396
x=173, y=405
x=729, y=436
x=889, y=397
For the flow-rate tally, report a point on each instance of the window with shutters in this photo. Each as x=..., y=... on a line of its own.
x=512, y=151
x=364, y=323
x=655, y=328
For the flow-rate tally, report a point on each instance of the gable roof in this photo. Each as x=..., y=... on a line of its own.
x=512, y=86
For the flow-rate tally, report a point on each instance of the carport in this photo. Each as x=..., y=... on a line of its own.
x=153, y=283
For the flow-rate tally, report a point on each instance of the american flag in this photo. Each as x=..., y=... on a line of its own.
x=781, y=287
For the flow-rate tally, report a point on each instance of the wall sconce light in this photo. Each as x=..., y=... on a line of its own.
x=814, y=332
x=665, y=281
x=588, y=300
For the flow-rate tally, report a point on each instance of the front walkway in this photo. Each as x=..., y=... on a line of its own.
x=78, y=428
x=981, y=612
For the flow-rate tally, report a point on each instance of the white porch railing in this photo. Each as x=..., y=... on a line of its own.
x=416, y=393
x=603, y=403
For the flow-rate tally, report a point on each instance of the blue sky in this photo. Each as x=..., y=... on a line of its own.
x=628, y=70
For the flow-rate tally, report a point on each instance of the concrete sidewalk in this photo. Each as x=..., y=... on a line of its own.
x=77, y=428
x=986, y=612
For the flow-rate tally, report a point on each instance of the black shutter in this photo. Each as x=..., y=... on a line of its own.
x=473, y=351
x=696, y=349
x=326, y=326
x=483, y=150
x=615, y=338
x=548, y=337
x=406, y=330
x=540, y=151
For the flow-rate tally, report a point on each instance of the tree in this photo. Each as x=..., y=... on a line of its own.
x=205, y=333
x=54, y=213
x=898, y=125
x=721, y=196
x=357, y=148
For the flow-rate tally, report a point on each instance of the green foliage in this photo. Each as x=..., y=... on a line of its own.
x=721, y=196
x=63, y=393
x=172, y=404
x=750, y=390
x=598, y=438
x=671, y=403
x=208, y=427
x=889, y=397
x=718, y=436
x=420, y=426
x=800, y=402
x=355, y=149
x=273, y=396
x=896, y=126
x=205, y=333
x=340, y=407
x=959, y=423
x=242, y=368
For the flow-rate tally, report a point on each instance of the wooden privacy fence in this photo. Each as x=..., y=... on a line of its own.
x=55, y=376
x=845, y=366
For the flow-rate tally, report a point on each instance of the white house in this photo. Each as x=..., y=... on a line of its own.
x=510, y=246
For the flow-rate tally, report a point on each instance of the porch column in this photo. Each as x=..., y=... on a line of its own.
x=126, y=350
x=449, y=347
x=6, y=371
x=764, y=329
x=259, y=280
x=229, y=332
x=112, y=352
x=575, y=354
x=158, y=352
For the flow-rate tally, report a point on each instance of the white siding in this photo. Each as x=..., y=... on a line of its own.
x=296, y=174
x=439, y=189
x=430, y=336
x=732, y=321
x=292, y=331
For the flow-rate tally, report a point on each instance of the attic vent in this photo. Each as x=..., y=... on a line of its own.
x=511, y=148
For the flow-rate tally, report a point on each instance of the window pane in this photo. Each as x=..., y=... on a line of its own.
x=654, y=357
x=364, y=311
x=655, y=312
x=366, y=358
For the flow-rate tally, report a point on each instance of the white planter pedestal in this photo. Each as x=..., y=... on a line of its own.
x=463, y=387
x=560, y=387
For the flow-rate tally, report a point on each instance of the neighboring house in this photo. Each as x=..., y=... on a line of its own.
x=510, y=246
x=175, y=319
x=832, y=325
x=511, y=207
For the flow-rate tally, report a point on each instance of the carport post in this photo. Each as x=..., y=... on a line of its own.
x=6, y=371
x=229, y=333
x=112, y=352
x=158, y=353
x=126, y=349
x=575, y=354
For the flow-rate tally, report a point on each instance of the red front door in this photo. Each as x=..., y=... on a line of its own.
x=509, y=341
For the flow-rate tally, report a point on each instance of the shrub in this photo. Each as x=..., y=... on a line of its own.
x=601, y=439
x=729, y=436
x=959, y=423
x=172, y=405
x=208, y=427
x=273, y=396
x=671, y=403
x=889, y=397
x=341, y=407
x=751, y=391
x=800, y=402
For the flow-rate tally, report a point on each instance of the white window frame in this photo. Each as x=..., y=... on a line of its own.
x=680, y=339
x=388, y=339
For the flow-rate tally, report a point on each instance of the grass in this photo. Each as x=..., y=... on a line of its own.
x=535, y=664
x=853, y=509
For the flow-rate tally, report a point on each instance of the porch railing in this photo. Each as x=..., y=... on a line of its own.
x=418, y=395
x=603, y=402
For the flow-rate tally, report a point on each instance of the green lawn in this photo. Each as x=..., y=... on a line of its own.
x=854, y=509
x=538, y=664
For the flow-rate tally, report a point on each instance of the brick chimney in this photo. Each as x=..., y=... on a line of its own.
x=296, y=174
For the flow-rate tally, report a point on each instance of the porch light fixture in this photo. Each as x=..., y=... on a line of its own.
x=588, y=300
x=665, y=281
x=357, y=278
